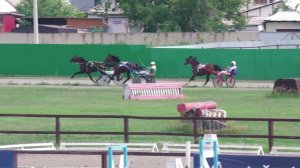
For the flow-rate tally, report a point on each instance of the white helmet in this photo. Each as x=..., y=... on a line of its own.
x=152, y=63
x=233, y=63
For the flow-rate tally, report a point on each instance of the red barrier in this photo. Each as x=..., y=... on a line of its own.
x=185, y=107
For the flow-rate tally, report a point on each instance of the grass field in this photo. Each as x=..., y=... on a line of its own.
x=247, y=103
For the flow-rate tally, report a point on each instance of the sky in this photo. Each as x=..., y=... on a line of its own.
x=293, y=3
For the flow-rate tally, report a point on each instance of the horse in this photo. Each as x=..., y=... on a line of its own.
x=87, y=67
x=120, y=67
x=200, y=69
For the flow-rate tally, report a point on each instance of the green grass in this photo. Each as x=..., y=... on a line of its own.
x=246, y=103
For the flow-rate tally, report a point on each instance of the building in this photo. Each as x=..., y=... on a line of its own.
x=256, y=11
x=112, y=16
x=261, y=10
x=288, y=21
x=81, y=24
x=45, y=29
x=8, y=16
x=85, y=5
x=87, y=24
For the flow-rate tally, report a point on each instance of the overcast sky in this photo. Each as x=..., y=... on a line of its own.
x=293, y=3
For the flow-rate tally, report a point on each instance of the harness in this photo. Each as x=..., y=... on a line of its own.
x=124, y=64
x=201, y=66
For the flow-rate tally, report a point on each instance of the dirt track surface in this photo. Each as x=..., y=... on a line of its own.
x=76, y=161
x=90, y=161
x=48, y=81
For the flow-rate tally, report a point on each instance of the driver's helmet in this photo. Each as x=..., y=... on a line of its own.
x=233, y=63
x=152, y=63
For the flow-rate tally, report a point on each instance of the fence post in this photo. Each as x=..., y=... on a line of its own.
x=195, y=124
x=104, y=160
x=270, y=136
x=57, y=130
x=126, y=135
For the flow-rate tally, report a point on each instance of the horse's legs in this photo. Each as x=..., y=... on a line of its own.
x=98, y=78
x=192, y=78
x=101, y=74
x=91, y=78
x=128, y=77
x=76, y=73
x=207, y=79
x=111, y=77
x=80, y=72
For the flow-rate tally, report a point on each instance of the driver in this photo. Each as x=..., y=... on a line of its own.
x=151, y=73
x=152, y=69
x=229, y=70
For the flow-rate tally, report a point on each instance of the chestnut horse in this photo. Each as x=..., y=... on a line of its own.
x=87, y=67
x=201, y=69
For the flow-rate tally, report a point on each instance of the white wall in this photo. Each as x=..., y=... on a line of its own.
x=272, y=26
x=118, y=25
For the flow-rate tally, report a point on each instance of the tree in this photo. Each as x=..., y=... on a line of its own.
x=184, y=15
x=147, y=14
x=49, y=8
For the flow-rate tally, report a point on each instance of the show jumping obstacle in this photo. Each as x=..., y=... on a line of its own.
x=195, y=107
x=150, y=91
x=206, y=109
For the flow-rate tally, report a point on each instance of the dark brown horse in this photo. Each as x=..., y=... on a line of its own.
x=201, y=69
x=87, y=67
x=120, y=67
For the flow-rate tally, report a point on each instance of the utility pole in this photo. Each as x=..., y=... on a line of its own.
x=35, y=22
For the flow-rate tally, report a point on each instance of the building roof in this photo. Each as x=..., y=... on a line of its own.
x=45, y=29
x=6, y=7
x=286, y=16
x=261, y=7
x=113, y=9
x=83, y=5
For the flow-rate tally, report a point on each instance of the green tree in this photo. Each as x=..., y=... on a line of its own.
x=184, y=15
x=49, y=8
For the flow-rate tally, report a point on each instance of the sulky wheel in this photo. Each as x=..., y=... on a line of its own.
x=103, y=80
x=136, y=79
x=218, y=82
x=230, y=82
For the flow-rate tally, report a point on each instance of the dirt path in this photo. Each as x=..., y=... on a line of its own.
x=86, y=82
x=91, y=161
